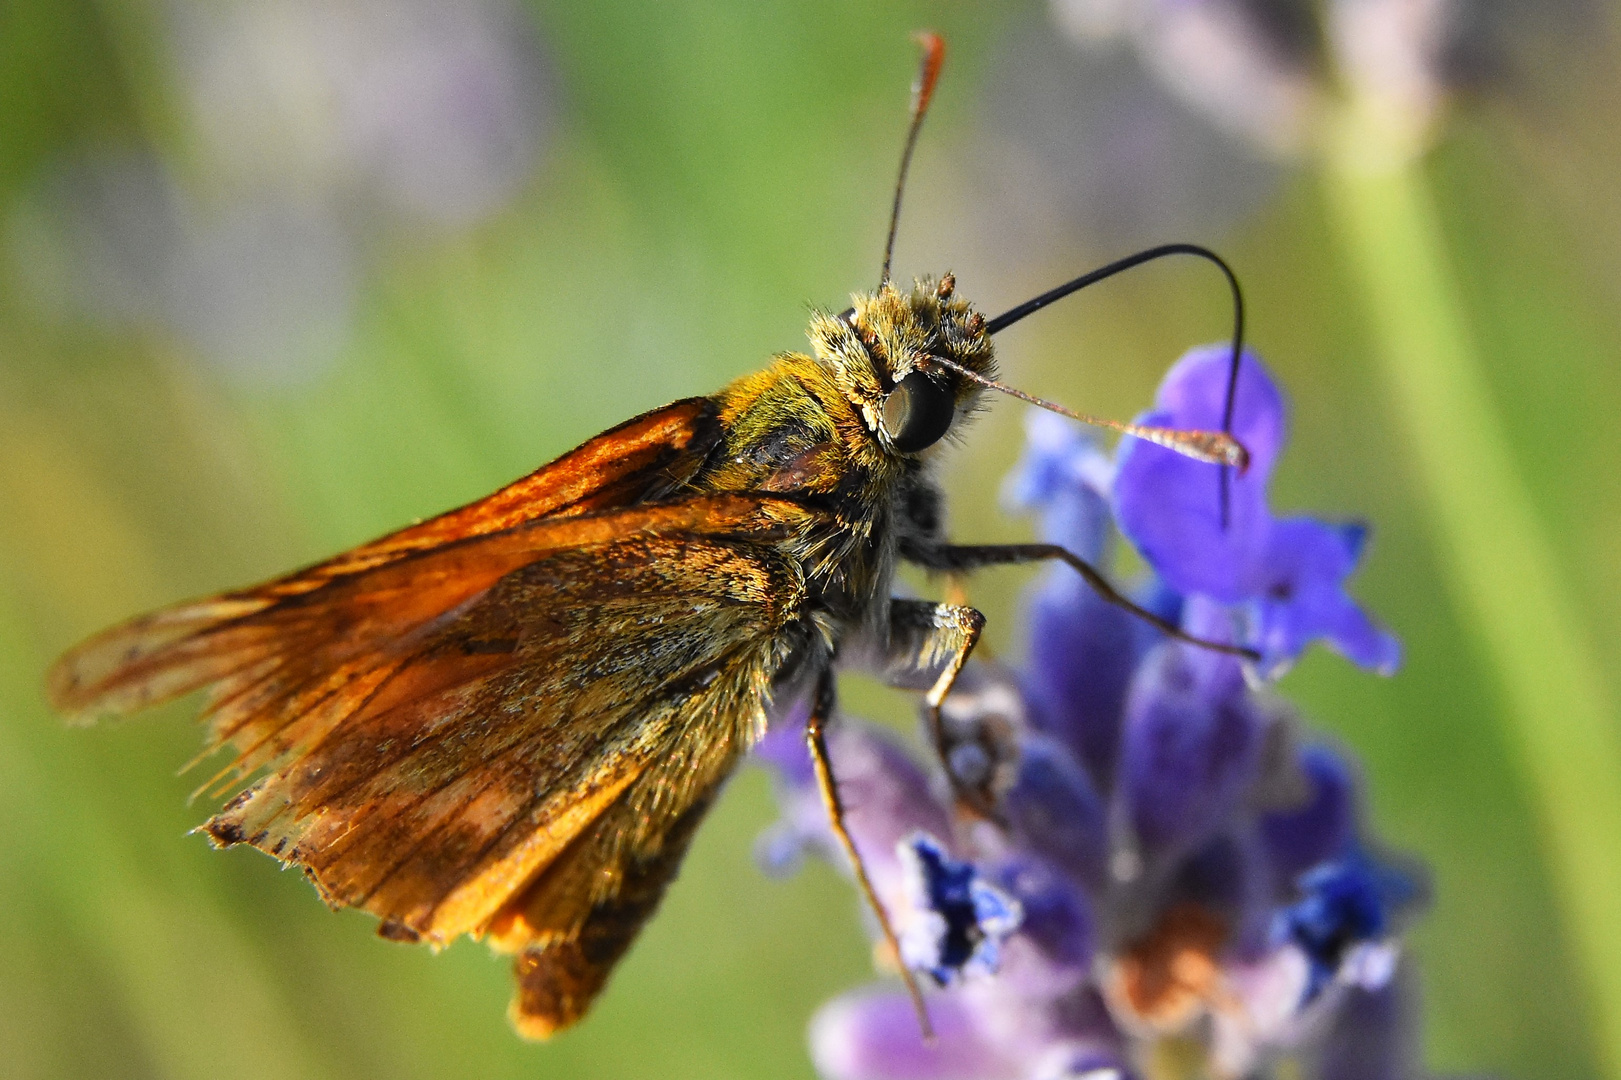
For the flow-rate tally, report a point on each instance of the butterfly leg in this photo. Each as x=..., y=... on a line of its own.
x=816, y=736
x=958, y=557
x=929, y=645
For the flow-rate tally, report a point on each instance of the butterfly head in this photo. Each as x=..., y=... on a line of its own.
x=890, y=351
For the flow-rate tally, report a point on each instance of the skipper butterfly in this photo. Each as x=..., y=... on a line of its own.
x=508, y=721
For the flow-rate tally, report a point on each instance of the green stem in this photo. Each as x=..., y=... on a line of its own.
x=1500, y=566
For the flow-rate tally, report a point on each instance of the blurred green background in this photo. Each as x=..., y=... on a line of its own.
x=278, y=277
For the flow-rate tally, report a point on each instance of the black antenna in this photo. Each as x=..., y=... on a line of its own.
x=1030, y=307
x=934, y=54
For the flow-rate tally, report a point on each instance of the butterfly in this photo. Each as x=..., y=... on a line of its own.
x=508, y=720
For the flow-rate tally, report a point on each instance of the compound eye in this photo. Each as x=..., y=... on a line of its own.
x=917, y=412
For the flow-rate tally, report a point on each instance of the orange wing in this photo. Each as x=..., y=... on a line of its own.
x=500, y=721
x=452, y=767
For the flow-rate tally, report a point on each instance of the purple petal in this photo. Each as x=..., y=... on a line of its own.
x=886, y=797
x=780, y=848
x=1043, y=1015
x=1228, y=876
x=1081, y=651
x=1342, y=904
x=1170, y=505
x=1192, y=745
x=956, y=921
x=1064, y=475
x=1318, y=830
x=1081, y=655
x=1082, y=1063
x=874, y=1035
x=1193, y=395
x=783, y=747
x=1300, y=585
x=1374, y=1036
x=1039, y=998
x=1055, y=811
x=1291, y=572
x=1267, y=990
x=1057, y=917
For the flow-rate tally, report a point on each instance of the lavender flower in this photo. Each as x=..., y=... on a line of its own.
x=1285, y=577
x=1171, y=868
x=960, y=919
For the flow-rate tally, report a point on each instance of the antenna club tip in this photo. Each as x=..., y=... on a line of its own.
x=931, y=42
x=1222, y=449
x=934, y=55
x=1212, y=447
x=1216, y=447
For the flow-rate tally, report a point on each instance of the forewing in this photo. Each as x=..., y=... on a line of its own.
x=342, y=609
x=439, y=728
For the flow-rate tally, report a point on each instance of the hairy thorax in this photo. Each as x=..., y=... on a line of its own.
x=812, y=428
x=790, y=430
